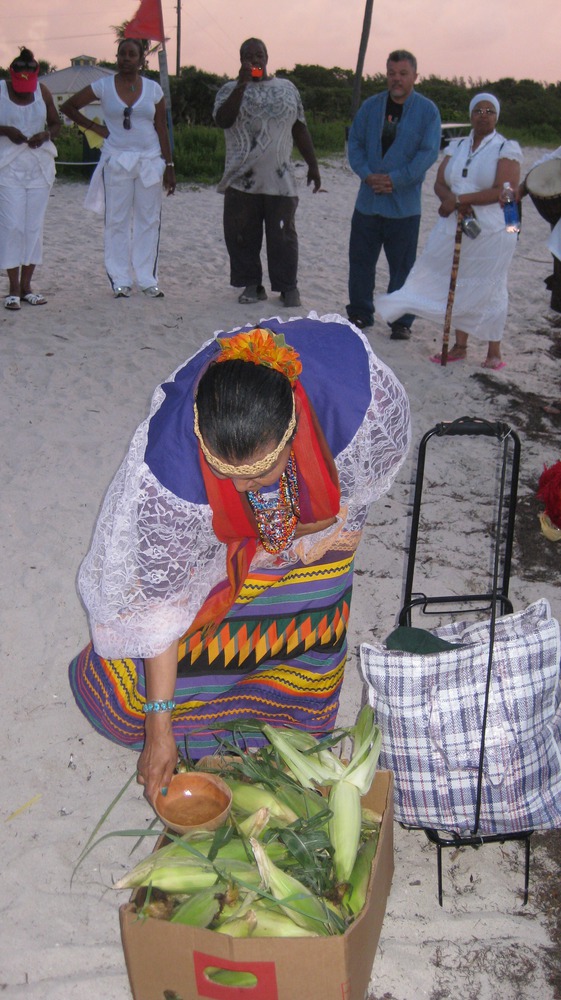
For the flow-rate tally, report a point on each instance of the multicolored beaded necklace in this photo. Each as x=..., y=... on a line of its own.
x=277, y=517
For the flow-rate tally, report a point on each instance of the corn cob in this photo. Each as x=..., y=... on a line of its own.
x=272, y=922
x=187, y=875
x=199, y=910
x=254, y=824
x=306, y=768
x=249, y=798
x=355, y=896
x=344, y=827
x=297, y=901
x=239, y=927
x=366, y=750
x=230, y=977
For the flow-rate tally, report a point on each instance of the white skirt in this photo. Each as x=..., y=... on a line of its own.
x=481, y=297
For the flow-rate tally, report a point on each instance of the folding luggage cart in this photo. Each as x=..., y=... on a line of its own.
x=492, y=600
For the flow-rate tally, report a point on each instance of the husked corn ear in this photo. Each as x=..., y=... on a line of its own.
x=250, y=798
x=297, y=901
x=199, y=910
x=355, y=896
x=344, y=827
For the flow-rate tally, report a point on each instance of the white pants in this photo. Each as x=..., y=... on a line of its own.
x=132, y=227
x=22, y=216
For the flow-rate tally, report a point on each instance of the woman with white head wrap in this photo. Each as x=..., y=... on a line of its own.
x=469, y=182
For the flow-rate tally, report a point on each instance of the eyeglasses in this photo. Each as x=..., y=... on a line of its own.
x=127, y=112
x=484, y=111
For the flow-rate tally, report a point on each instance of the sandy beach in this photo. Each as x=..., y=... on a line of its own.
x=76, y=378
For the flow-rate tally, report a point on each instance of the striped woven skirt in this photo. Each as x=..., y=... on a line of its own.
x=278, y=657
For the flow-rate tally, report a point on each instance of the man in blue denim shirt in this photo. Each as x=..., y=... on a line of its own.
x=394, y=139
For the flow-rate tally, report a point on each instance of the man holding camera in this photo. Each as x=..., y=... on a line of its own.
x=394, y=139
x=262, y=117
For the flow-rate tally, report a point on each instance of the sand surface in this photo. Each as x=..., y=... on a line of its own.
x=76, y=378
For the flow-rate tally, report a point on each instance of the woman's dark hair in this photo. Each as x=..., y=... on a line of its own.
x=242, y=408
x=25, y=60
x=135, y=41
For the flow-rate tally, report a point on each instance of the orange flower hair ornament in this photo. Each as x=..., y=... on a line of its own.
x=549, y=490
x=262, y=347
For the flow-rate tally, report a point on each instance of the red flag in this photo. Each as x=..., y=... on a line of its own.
x=148, y=22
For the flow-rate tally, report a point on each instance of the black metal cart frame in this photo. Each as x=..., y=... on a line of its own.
x=494, y=600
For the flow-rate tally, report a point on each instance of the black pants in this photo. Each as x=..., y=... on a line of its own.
x=244, y=216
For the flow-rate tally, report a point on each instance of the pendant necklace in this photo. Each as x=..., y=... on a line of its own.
x=472, y=154
x=277, y=517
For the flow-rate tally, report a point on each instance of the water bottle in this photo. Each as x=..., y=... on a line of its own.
x=510, y=209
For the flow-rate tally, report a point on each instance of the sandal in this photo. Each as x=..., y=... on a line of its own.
x=12, y=302
x=153, y=292
x=34, y=299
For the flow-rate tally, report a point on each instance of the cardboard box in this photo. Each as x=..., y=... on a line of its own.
x=167, y=961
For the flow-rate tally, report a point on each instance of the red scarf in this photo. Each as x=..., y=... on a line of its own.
x=233, y=520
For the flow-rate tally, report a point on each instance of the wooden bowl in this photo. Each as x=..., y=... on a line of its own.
x=194, y=801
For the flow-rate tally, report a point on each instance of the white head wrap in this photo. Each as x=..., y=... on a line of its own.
x=485, y=97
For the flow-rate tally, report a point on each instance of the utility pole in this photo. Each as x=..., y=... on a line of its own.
x=178, y=52
x=355, y=101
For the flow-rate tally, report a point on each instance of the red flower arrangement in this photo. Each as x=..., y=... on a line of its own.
x=549, y=490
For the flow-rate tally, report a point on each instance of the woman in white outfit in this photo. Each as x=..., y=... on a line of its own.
x=135, y=161
x=469, y=181
x=28, y=123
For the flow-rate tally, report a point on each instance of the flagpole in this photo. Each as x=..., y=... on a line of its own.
x=164, y=78
x=164, y=84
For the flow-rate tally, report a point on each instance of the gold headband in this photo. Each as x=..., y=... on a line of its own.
x=246, y=470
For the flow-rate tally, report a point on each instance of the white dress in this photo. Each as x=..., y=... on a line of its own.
x=26, y=178
x=481, y=297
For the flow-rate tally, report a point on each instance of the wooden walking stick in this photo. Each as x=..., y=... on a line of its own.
x=451, y=292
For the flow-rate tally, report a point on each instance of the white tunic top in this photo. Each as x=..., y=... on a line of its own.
x=19, y=164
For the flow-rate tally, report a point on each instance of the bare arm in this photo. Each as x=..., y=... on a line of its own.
x=304, y=144
x=72, y=109
x=507, y=170
x=159, y=756
x=229, y=111
x=161, y=126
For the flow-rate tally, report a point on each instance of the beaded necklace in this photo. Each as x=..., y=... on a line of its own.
x=277, y=517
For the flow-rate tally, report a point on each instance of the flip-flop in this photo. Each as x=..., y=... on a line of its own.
x=493, y=366
x=437, y=359
x=34, y=299
x=12, y=302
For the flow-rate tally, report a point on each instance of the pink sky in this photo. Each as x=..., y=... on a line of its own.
x=484, y=39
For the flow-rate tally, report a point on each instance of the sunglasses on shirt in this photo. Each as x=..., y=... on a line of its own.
x=127, y=112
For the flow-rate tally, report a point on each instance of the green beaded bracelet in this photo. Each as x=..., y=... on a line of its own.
x=159, y=706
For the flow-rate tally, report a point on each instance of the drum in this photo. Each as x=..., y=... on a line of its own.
x=544, y=187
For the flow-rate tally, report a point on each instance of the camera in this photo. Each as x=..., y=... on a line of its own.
x=256, y=72
x=470, y=226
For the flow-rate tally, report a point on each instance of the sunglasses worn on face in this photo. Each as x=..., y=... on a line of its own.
x=127, y=112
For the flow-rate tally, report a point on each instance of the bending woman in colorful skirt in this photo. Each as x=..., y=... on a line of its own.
x=219, y=581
